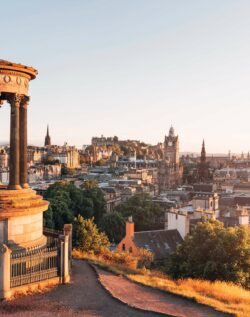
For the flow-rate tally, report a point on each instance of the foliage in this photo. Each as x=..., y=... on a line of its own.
x=226, y=297
x=67, y=201
x=145, y=258
x=213, y=252
x=145, y=212
x=86, y=236
x=90, y=184
x=101, y=162
x=114, y=225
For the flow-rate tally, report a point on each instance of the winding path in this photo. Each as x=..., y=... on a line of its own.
x=86, y=296
x=150, y=299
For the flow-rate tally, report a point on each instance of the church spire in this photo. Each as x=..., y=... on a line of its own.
x=203, y=152
x=47, y=138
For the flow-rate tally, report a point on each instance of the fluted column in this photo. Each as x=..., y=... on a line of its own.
x=14, y=142
x=23, y=142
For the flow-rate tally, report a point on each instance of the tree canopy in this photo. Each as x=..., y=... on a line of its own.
x=145, y=212
x=215, y=253
x=67, y=201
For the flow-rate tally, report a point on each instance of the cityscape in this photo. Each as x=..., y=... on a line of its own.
x=120, y=225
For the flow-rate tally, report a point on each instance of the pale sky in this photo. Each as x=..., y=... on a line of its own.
x=132, y=68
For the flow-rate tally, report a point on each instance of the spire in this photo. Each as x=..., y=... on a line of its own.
x=47, y=138
x=171, y=131
x=203, y=152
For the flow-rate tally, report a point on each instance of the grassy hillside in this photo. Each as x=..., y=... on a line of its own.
x=225, y=297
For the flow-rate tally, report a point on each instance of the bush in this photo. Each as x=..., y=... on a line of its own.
x=86, y=236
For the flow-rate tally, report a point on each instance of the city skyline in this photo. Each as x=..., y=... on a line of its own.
x=134, y=69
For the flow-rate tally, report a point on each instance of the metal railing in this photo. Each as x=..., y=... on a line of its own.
x=34, y=266
x=52, y=236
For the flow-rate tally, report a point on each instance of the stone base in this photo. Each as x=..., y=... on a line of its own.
x=21, y=218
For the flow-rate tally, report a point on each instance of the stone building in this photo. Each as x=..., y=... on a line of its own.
x=170, y=170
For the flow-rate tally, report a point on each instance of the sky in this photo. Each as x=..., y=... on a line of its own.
x=132, y=68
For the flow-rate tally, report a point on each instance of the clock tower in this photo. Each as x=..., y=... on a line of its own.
x=170, y=170
x=171, y=147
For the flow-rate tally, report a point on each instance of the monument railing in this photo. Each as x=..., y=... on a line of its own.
x=34, y=266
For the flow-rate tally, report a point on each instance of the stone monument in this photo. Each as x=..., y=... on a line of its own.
x=21, y=209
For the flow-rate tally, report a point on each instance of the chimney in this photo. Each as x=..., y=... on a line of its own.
x=130, y=227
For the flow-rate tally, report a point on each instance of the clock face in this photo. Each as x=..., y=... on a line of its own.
x=170, y=143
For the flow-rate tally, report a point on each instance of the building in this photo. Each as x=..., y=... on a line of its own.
x=170, y=170
x=3, y=158
x=161, y=243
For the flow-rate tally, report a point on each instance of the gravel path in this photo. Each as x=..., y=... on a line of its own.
x=154, y=300
x=83, y=297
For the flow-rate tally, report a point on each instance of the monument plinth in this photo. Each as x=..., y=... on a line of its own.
x=21, y=209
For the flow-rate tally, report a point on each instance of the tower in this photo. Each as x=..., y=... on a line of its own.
x=203, y=153
x=203, y=168
x=47, y=138
x=170, y=170
x=171, y=147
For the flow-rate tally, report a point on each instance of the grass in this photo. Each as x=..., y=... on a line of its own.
x=225, y=297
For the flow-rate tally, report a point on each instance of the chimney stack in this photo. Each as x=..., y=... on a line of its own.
x=130, y=227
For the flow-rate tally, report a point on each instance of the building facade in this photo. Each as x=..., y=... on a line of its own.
x=170, y=170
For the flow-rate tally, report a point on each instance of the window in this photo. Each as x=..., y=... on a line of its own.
x=123, y=247
x=130, y=250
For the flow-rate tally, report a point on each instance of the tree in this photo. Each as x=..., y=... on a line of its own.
x=67, y=201
x=215, y=253
x=113, y=225
x=90, y=184
x=86, y=236
x=145, y=212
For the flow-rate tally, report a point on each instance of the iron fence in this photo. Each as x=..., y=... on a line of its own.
x=34, y=266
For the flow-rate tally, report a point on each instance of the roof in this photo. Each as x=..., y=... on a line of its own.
x=229, y=221
x=32, y=72
x=160, y=242
x=203, y=188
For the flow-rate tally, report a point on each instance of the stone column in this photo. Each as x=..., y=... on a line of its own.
x=66, y=276
x=23, y=142
x=67, y=229
x=14, y=142
x=64, y=258
x=5, y=253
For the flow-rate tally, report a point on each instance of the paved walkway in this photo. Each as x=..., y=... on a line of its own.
x=154, y=300
x=83, y=297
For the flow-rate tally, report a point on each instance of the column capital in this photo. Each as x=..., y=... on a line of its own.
x=14, y=100
x=25, y=102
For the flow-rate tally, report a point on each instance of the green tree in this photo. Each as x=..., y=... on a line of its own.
x=145, y=212
x=86, y=236
x=87, y=202
x=215, y=253
x=113, y=225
